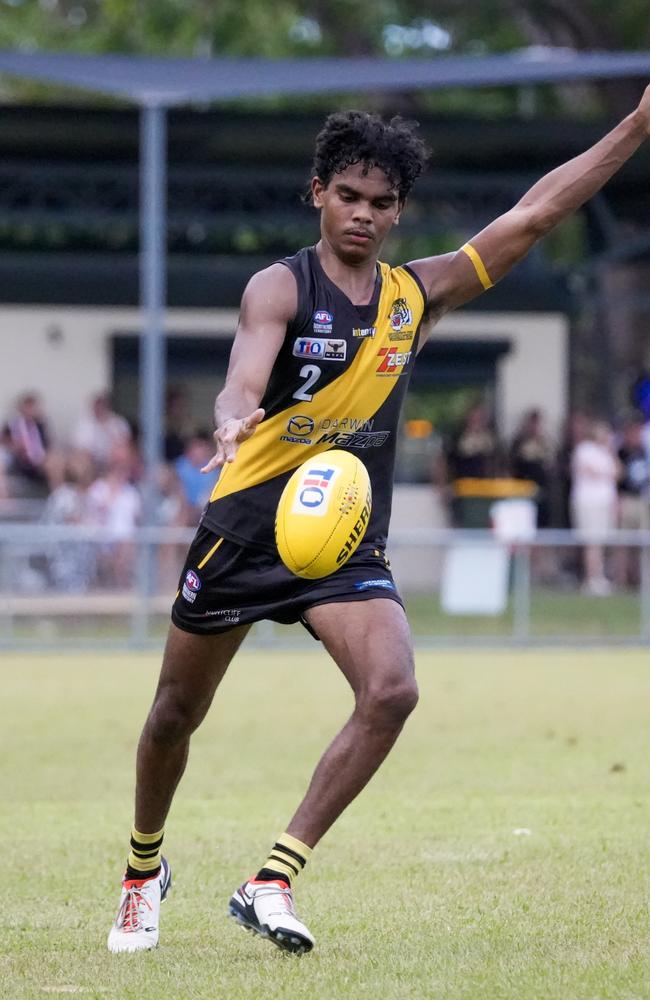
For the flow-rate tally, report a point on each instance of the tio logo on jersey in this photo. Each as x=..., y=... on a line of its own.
x=320, y=348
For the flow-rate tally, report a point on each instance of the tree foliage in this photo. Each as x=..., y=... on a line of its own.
x=332, y=27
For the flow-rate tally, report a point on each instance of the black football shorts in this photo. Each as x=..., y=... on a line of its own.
x=224, y=584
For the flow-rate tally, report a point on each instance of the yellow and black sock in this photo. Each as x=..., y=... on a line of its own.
x=287, y=859
x=144, y=857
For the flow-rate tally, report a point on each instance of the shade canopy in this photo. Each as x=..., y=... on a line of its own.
x=169, y=82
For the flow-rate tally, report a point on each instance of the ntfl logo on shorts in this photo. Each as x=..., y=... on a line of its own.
x=314, y=491
x=191, y=586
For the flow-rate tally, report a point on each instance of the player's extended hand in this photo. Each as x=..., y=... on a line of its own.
x=229, y=436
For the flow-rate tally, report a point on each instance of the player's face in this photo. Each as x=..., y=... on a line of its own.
x=357, y=211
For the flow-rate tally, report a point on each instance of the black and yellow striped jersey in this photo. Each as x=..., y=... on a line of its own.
x=338, y=381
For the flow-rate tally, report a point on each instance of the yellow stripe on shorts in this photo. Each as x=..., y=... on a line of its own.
x=479, y=266
x=210, y=554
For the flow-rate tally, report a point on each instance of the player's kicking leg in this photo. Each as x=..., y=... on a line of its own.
x=371, y=643
x=193, y=666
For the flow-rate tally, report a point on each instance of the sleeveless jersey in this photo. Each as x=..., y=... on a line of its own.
x=338, y=381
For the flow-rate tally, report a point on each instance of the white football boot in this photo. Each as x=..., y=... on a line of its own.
x=138, y=917
x=266, y=908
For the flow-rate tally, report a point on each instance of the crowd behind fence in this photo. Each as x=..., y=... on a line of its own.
x=77, y=565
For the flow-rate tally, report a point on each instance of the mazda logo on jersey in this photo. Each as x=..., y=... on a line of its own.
x=300, y=425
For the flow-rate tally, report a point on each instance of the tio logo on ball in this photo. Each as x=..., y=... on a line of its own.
x=314, y=490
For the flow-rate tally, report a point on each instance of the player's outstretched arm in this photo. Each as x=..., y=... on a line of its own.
x=456, y=278
x=268, y=304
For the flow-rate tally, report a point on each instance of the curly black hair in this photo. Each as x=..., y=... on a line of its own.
x=349, y=137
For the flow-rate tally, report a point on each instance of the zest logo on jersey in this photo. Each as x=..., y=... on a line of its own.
x=314, y=492
x=321, y=348
x=392, y=361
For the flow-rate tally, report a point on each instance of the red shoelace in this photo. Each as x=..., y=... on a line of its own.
x=130, y=917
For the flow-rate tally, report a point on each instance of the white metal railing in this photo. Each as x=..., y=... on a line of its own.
x=62, y=585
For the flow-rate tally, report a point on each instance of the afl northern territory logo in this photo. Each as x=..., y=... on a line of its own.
x=322, y=320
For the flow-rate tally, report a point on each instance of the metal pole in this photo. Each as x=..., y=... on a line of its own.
x=602, y=322
x=153, y=289
x=644, y=590
x=6, y=617
x=521, y=593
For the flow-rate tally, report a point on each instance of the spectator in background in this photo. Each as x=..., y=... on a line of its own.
x=575, y=431
x=197, y=487
x=531, y=457
x=66, y=504
x=172, y=511
x=176, y=423
x=71, y=564
x=595, y=471
x=5, y=460
x=633, y=498
x=114, y=505
x=99, y=430
x=641, y=401
x=474, y=453
x=28, y=442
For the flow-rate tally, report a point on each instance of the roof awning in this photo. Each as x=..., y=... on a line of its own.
x=168, y=82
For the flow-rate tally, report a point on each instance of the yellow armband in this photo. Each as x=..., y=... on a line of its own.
x=479, y=266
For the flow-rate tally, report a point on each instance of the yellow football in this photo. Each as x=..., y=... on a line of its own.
x=323, y=514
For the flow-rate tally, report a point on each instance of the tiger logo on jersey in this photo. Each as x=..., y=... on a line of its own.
x=400, y=316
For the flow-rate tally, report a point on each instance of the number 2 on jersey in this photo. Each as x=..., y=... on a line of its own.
x=312, y=374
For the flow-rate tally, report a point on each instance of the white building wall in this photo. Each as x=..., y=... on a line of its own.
x=63, y=353
x=536, y=371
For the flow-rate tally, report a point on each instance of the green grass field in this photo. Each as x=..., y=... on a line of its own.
x=502, y=852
